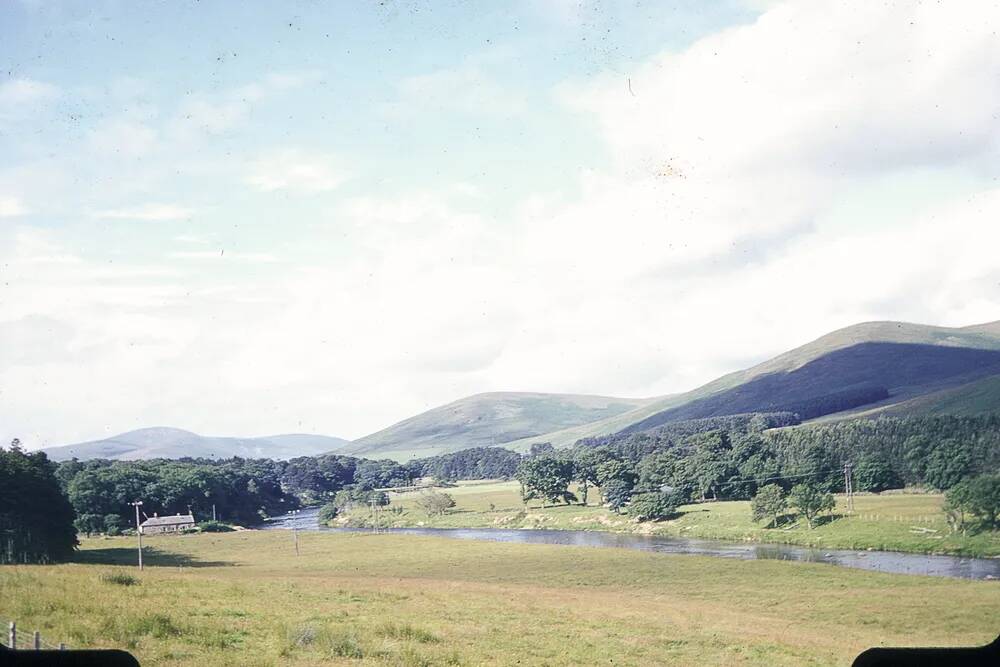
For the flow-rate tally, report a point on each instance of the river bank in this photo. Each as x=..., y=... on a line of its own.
x=908, y=523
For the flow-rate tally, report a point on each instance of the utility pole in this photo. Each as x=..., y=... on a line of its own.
x=295, y=529
x=138, y=529
x=376, y=510
x=849, y=486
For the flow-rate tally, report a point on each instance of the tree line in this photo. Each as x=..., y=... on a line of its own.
x=735, y=458
x=720, y=458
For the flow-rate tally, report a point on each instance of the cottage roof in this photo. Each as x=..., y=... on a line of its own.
x=168, y=520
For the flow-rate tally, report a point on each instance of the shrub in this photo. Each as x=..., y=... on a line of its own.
x=156, y=625
x=652, y=506
x=407, y=632
x=119, y=578
x=215, y=527
x=303, y=636
x=346, y=645
x=328, y=512
x=112, y=525
x=342, y=499
x=434, y=503
x=89, y=523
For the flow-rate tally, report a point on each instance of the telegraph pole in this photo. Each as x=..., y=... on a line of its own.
x=376, y=511
x=295, y=529
x=849, y=486
x=138, y=529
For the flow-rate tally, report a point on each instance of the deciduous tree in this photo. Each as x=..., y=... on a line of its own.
x=769, y=503
x=810, y=501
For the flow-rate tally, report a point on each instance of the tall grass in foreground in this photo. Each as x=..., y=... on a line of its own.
x=246, y=600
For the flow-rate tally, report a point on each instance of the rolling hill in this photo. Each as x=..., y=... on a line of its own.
x=860, y=370
x=488, y=419
x=888, y=338
x=173, y=443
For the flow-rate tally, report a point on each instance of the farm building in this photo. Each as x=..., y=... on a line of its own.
x=166, y=524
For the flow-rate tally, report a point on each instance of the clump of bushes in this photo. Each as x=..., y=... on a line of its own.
x=434, y=503
x=652, y=506
x=328, y=512
x=335, y=643
x=406, y=631
x=215, y=527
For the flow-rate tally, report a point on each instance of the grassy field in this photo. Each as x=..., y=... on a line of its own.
x=898, y=522
x=246, y=599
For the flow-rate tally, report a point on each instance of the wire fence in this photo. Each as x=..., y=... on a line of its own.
x=19, y=638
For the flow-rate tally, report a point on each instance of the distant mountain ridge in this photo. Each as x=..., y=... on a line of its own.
x=859, y=371
x=174, y=443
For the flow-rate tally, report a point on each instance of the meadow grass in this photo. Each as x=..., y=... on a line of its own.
x=246, y=599
x=911, y=522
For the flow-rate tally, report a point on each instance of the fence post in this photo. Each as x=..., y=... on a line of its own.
x=12, y=637
x=37, y=637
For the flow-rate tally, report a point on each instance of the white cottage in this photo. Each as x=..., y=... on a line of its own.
x=166, y=524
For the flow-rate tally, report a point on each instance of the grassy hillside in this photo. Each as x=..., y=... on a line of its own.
x=245, y=599
x=975, y=398
x=484, y=420
x=894, y=522
x=985, y=337
x=173, y=443
x=863, y=374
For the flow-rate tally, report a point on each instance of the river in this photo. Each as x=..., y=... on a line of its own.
x=878, y=561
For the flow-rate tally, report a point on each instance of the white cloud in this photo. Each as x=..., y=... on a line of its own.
x=217, y=113
x=11, y=206
x=296, y=171
x=469, y=88
x=190, y=239
x=22, y=92
x=708, y=241
x=123, y=137
x=833, y=87
x=150, y=212
x=223, y=255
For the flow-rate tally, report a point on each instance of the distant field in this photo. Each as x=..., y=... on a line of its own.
x=245, y=599
x=892, y=521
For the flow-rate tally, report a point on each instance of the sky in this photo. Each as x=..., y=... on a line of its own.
x=327, y=217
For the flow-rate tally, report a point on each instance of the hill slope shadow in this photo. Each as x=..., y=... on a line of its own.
x=847, y=378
